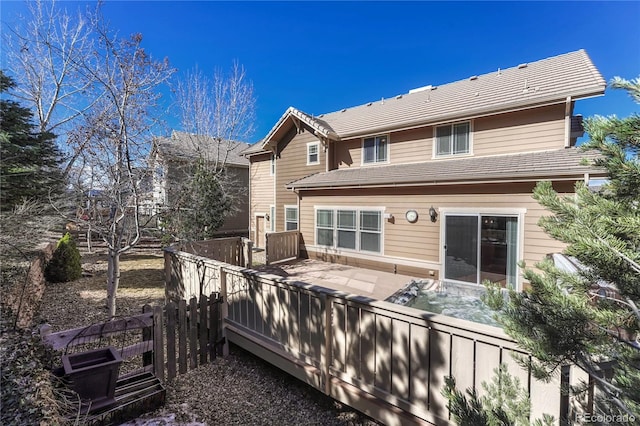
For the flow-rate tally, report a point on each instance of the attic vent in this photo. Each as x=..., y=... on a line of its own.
x=473, y=77
x=343, y=110
x=399, y=97
x=421, y=89
x=522, y=66
x=370, y=103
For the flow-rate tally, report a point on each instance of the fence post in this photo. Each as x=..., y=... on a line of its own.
x=266, y=248
x=193, y=332
x=213, y=324
x=325, y=357
x=158, y=343
x=168, y=282
x=171, y=340
x=248, y=252
x=182, y=335
x=224, y=309
x=204, y=327
x=147, y=334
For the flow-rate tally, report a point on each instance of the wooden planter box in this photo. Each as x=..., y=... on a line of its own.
x=93, y=375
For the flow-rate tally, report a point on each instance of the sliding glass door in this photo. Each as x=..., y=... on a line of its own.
x=481, y=247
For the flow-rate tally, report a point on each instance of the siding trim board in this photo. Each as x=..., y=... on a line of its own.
x=423, y=264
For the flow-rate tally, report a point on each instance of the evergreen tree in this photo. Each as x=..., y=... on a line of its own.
x=204, y=204
x=29, y=166
x=590, y=319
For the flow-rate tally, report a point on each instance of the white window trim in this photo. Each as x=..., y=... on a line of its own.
x=272, y=218
x=294, y=207
x=474, y=211
x=436, y=156
x=373, y=163
x=317, y=145
x=335, y=209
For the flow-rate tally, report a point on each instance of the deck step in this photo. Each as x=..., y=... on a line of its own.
x=135, y=395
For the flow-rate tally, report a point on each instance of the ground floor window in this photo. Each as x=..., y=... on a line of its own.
x=290, y=218
x=480, y=247
x=348, y=228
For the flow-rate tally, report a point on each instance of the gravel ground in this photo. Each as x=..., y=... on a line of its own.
x=240, y=389
x=244, y=390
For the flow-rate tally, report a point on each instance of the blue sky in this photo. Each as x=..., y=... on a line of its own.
x=325, y=56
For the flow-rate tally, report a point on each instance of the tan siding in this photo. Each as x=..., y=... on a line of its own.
x=348, y=153
x=408, y=146
x=411, y=146
x=535, y=129
x=421, y=241
x=291, y=165
x=239, y=221
x=531, y=130
x=261, y=187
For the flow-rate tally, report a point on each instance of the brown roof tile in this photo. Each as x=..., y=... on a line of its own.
x=545, y=81
x=186, y=146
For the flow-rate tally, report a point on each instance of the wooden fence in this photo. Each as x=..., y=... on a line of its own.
x=282, y=246
x=165, y=341
x=386, y=360
x=231, y=250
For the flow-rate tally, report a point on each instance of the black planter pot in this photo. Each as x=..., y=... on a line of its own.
x=93, y=375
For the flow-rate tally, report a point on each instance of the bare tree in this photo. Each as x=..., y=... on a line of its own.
x=46, y=56
x=222, y=108
x=122, y=121
x=216, y=114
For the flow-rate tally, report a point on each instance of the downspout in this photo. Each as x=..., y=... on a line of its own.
x=568, y=107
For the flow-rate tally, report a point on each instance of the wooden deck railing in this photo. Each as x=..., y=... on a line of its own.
x=231, y=250
x=281, y=246
x=386, y=360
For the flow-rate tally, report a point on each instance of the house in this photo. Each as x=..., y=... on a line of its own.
x=171, y=160
x=436, y=182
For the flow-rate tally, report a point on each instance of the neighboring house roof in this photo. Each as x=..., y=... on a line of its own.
x=554, y=164
x=185, y=146
x=547, y=81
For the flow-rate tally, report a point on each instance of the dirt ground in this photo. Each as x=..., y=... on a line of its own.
x=82, y=302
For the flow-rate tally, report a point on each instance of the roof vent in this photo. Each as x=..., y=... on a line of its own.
x=370, y=103
x=421, y=89
x=522, y=66
x=499, y=71
x=321, y=115
x=343, y=110
x=399, y=97
x=473, y=77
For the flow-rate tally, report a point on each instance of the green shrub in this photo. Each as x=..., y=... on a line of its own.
x=65, y=265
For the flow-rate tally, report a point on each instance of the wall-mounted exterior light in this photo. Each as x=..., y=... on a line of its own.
x=433, y=214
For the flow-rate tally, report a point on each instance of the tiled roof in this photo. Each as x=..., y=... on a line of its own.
x=527, y=166
x=549, y=80
x=187, y=146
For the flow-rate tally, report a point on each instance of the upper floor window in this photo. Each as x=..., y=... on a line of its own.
x=375, y=150
x=272, y=165
x=452, y=139
x=290, y=218
x=313, y=153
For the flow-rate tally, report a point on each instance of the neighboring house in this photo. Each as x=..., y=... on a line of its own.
x=171, y=159
x=436, y=182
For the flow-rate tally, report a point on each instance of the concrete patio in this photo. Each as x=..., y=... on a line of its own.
x=363, y=282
